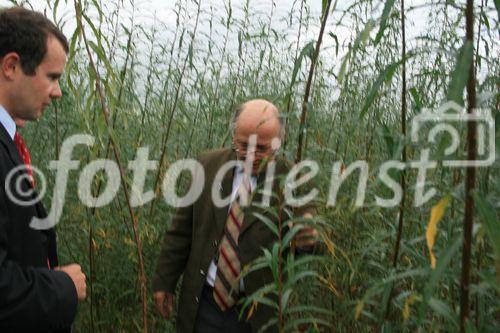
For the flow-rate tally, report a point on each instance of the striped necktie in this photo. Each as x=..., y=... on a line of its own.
x=226, y=286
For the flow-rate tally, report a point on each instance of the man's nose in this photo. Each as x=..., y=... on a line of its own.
x=56, y=92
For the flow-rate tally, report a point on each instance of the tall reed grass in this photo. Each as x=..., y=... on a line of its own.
x=170, y=84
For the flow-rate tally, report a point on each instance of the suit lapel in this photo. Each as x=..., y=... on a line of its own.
x=256, y=200
x=10, y=146
x=225, y=188
x=256, y=205
x=17, y=160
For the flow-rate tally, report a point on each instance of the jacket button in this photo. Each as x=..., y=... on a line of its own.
x=202, y=272
x=197, y=299
x=215, y=243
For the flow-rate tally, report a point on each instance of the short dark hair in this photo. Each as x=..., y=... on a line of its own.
x=26, y=32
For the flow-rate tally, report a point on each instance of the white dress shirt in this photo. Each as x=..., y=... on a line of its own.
x=238, y=177
x=7, y=122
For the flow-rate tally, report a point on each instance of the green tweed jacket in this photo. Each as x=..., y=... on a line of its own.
x=193, y=237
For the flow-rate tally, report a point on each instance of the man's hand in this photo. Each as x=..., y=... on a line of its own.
x=307, y=236
x=164, y=308
x=75, y=273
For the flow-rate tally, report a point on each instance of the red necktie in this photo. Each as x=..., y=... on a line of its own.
x=25, y=154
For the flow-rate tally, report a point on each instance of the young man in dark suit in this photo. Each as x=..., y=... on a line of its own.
x=36, y=294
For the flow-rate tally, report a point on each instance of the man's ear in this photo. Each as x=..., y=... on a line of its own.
x=10, y=65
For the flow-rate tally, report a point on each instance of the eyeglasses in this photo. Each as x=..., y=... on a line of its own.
x=242, y=147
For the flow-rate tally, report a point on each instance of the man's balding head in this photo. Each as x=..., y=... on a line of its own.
x=261, y=118
x=257, y=116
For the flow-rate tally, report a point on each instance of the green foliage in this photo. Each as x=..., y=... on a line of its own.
x=385, y=76
x=461, y=74
x=383, y=20
x=172, y=88
x=491, y=223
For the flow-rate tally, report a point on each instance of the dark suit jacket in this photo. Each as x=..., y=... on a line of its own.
x=193, y=237
x=32, y=297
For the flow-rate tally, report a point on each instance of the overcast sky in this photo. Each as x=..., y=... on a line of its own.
x=147, y=10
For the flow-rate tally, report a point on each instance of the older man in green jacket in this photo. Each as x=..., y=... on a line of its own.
x=211, y=243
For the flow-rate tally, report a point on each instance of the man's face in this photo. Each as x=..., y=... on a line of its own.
x=34, y=93
x=263, y=149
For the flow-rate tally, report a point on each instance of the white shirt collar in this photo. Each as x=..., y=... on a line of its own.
x=7, y=122
x=240, y=171
x=238, y=178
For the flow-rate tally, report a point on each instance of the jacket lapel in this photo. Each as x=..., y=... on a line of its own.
x=255, y=204
x=10, y=146
x=16, y=159
x=225, y=188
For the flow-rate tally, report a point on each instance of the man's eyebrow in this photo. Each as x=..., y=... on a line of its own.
x=55, y=75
